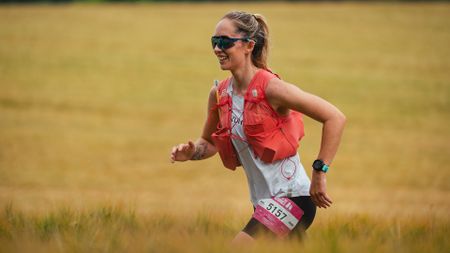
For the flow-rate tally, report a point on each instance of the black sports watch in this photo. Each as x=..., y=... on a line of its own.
x=319, y=165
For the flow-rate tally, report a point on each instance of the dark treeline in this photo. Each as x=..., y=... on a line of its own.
x=194, y=1
x=139, y=1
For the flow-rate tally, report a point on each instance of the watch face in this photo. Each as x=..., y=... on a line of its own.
x=317, y=165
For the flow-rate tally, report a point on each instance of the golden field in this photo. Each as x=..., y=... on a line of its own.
x=93, y=97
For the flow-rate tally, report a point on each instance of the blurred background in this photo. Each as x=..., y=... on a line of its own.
x=93, y=97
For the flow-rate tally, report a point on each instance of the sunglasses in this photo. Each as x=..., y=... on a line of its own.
x=224, y=42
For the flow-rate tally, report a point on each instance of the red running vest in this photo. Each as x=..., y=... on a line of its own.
x=272, y=136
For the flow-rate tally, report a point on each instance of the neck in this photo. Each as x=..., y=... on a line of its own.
x=243, y=76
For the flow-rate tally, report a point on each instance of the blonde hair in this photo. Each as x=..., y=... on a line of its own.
x=254, y=26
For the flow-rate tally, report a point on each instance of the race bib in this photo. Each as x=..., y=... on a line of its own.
x=280, y=215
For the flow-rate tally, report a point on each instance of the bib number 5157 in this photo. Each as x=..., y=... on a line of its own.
x=280, y=215
x=278, y=212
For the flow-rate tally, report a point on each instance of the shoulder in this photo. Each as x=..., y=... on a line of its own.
x=218, y=88
x=213, y=90
x=281, y=94
x=276, y=87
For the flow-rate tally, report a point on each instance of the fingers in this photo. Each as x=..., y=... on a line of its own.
x=316, y=199
x=321, y=199
x=184, y=147
x=173, y=154
x=327, y=199
x=324, y=200
x=318, y=190
x=175, y=151
x=180, y=148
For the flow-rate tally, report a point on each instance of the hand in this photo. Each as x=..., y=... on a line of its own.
x=318, y=190
x=182, y=152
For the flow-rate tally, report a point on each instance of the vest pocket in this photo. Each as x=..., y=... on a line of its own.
x=222, y=141
x=252, y=130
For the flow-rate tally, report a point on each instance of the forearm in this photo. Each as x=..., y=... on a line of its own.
x=331, y=137
x=203, y=149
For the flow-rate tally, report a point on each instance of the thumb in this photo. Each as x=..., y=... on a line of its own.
x=191, y=145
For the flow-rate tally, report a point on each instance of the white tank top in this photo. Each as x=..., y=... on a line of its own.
x=283, y=178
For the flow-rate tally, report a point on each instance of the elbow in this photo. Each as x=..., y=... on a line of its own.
x=338, y=119
x=335, y=118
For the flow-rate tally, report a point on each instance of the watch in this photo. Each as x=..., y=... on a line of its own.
x=319, y=165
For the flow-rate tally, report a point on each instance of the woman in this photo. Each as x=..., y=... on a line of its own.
x=255, y=121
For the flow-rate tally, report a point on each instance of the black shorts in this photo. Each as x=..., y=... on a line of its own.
x=255, y=228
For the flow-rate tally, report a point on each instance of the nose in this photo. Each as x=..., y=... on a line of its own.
x=217, y=49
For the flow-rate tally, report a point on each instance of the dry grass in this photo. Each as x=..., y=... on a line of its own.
x=92, y=97
x=115, y=229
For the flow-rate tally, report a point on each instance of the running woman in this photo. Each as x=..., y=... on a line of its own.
x=255, y=121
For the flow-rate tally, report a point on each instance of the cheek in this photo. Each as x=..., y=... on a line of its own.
x=237, y=56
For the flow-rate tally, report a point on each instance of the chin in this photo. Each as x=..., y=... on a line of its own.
x=224, y=67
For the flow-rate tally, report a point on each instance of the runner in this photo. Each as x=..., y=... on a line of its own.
x=255, y=121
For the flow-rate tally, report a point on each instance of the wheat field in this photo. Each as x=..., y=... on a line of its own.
x=93, y=97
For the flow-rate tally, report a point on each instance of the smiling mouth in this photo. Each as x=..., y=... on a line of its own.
x=222, y=58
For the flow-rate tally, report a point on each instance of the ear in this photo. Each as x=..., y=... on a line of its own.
x=250, y=46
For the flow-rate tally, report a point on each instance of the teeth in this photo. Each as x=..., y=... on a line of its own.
x=222, y=58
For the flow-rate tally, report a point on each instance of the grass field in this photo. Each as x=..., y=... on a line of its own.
x=92, y=98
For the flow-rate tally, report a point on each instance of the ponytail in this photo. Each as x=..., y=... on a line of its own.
x=261, y=50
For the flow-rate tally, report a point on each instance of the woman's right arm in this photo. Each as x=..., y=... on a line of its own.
x=203, y=147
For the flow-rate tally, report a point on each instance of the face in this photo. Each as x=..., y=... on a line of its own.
x=235, y=56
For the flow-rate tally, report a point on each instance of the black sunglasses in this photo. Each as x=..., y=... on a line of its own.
x=224, y=42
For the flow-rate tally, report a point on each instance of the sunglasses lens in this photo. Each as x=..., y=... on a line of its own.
x=222, y=42
x=227, y=43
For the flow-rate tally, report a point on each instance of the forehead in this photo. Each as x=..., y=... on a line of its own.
x=225, y=27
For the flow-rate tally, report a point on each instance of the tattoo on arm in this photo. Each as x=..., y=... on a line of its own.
x=200, y=151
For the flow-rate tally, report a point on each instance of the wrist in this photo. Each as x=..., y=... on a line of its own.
x=199, y=151
x=317, y=173
x=195, y=155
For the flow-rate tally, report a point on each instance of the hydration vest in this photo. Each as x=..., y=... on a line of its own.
x=272, y=136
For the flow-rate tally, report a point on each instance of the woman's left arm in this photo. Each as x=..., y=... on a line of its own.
x=284, y=96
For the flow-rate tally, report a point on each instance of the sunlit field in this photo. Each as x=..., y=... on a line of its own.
x=93, y=97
